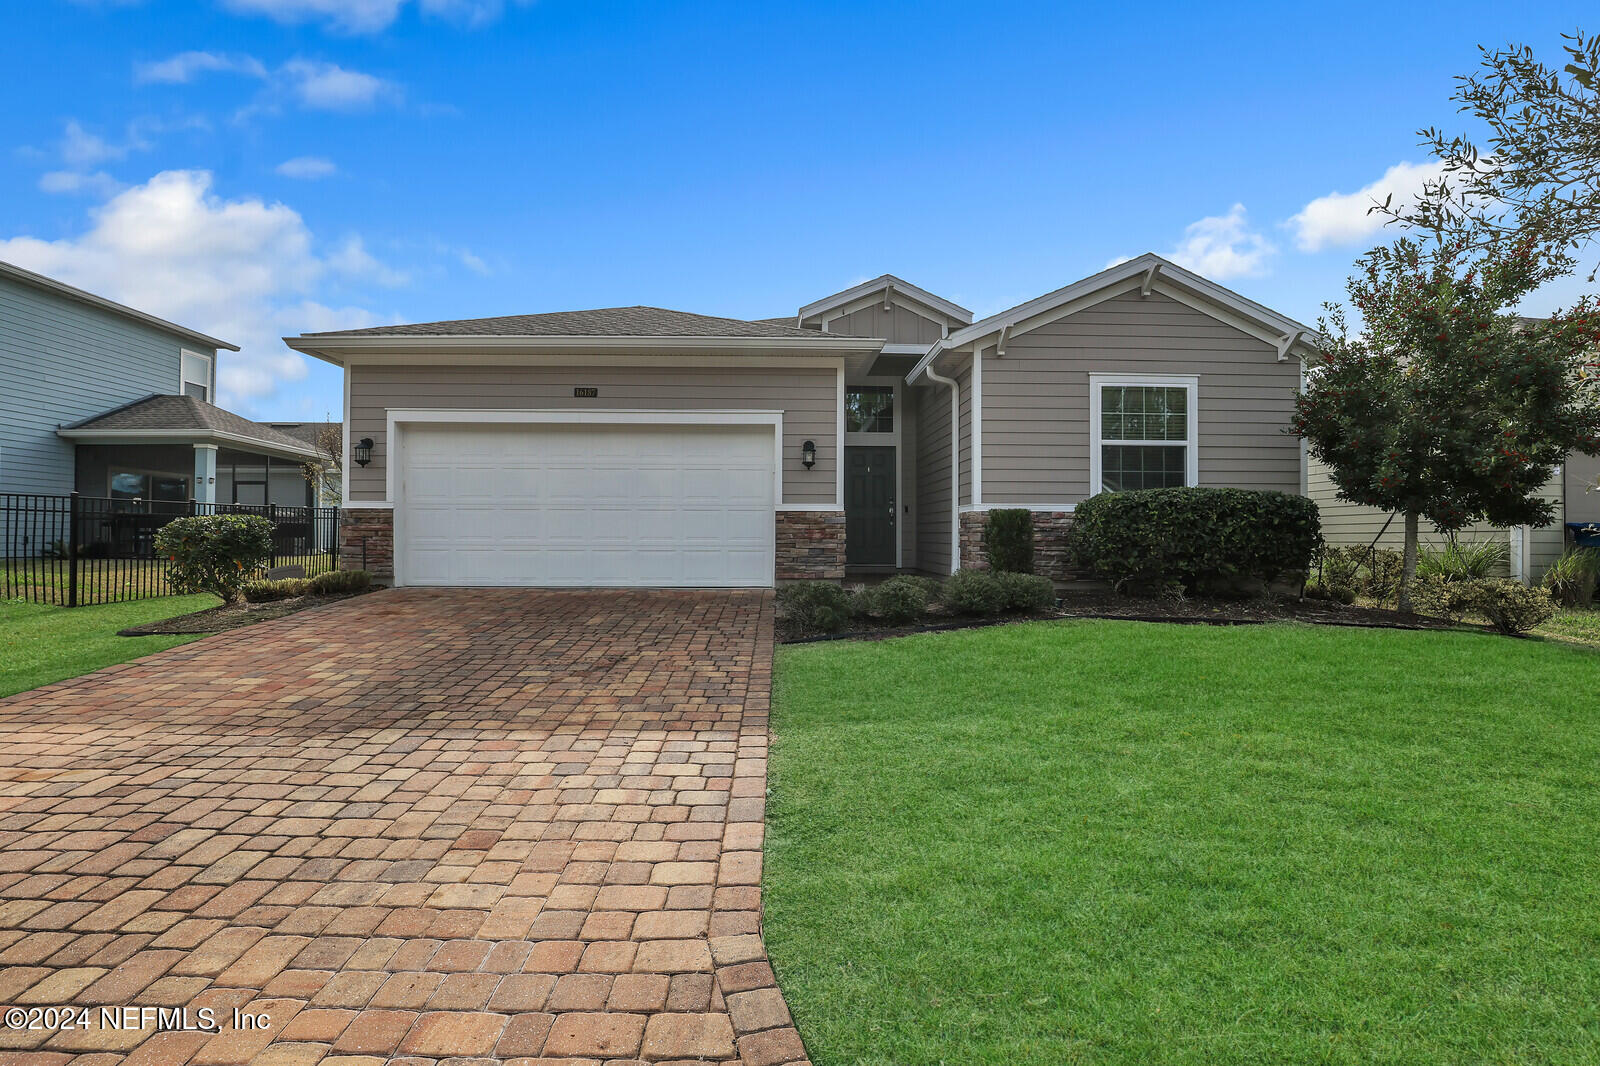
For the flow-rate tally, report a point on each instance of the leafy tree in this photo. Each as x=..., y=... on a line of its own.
x=1449, y=407
x=1536, y=176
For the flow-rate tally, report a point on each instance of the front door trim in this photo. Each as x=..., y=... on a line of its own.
x=882, y=440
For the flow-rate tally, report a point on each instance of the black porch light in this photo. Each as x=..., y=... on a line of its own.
x=363, y=451
x=808, y=454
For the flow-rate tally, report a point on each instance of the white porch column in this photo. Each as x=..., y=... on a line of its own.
x=205, y=473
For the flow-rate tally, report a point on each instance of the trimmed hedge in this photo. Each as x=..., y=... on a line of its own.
x=334, y=581
x=270, y=591
x=327, y=584
x=1026, y=592
x=897, y=601
x=215, y=553
x=1510, y=606
x=975, y=592
x=1008, y=540
x=1196, y=539
x=817, y=606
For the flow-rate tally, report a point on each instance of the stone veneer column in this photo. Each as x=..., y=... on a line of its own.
x=810, y=545
x=1050, y=555
x=366, y=539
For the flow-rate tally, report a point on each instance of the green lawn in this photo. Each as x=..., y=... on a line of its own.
x=40, y=644
x=1110, y=842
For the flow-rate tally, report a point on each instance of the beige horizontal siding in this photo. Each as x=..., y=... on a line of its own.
x=898, y=325
x=931, y=409
x=963, y=381
x=1349, y=524
x=1583, y=498
x=808, y=398
x=1036, y=399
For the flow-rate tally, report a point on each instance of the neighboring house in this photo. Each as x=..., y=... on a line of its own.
x=871, y=430
x=327, y=438
x=1529, y=549
x=112, y=402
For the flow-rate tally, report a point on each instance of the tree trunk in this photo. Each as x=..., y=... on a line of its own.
x=1408, y=568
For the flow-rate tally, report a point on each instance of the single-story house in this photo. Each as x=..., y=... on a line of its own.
x=871, y=430
x=114, y=403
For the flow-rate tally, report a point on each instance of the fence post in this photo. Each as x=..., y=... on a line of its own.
x=72, y=549
x=272, y=516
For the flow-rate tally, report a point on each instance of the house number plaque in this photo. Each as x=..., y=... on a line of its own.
x=585, y=392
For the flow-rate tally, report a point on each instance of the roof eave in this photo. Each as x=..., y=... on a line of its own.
x=186, y=436
x=323, y=346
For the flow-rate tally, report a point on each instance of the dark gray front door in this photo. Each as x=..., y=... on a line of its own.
x=869, y=507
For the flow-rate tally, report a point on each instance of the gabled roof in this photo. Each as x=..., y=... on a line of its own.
x=1150, y=273
x=954, y=312
x=305, y=432
x=598, y=322
x=61, y=288
x=184, y=418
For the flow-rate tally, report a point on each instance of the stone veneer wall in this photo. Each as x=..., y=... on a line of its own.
x=375, y=527
x=810, y=545
x=1050, y=556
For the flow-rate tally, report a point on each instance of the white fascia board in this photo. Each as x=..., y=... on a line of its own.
x=878, y=284
x=342, y=350
x=184, y=436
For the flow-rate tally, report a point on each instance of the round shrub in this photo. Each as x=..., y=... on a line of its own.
x=898, y=600
x=215, y=553
x=1510, y=606
x=974, y=592
x=815, y=606
x=1201, y=539
x=1026, y=592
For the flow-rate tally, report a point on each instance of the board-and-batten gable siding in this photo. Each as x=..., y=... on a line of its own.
x=897, y=326
x=807, y=396
x=62, y=361
x=1036, y=398
x=932, y=471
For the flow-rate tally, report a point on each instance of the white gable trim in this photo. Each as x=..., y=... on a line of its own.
x=954, y=312
x=928, y=314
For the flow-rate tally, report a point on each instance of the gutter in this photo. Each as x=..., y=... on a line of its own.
x=955, y=459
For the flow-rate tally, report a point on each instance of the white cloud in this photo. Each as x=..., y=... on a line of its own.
x=330, y=87
x=1345, y=218
x=98, y=183
x=307, y=168
x=1223, y=246
x=351, y=257
x=186, y=66
x=368, y=16
x=79, y=148
x=244, y=270
x=473, y=262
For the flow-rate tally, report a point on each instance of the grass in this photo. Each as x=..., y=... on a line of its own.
x=1108, y=842
x=1574, y=625
x=40, y=644
x=49, y=579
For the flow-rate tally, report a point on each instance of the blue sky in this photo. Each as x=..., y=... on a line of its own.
x=259, y=167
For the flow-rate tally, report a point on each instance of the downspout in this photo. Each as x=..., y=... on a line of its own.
x=955, y=463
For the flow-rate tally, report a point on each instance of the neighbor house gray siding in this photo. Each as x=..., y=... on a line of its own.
x=62, y=361
x=807, y=396
x=932, y=475
x=899, y=325
x=1036, y=398
x=1583, y=498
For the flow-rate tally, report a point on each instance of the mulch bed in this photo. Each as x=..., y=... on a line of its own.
x=234, y=615
x=1111, y=605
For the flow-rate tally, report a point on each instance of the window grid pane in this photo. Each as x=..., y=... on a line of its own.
x=869, y=409
x=1144, y=412
x=1126, y=467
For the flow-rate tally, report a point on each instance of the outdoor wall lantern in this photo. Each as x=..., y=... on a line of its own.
x=808, y=454
x=363, y=451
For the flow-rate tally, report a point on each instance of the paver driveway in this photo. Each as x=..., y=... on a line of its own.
x=422, y=825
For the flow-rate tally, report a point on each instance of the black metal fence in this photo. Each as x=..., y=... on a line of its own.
x=78, y=550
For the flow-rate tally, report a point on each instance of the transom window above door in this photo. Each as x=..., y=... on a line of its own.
x=869, y=409
x=1143, y=432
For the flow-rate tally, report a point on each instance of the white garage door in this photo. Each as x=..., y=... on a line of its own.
x=581, y=505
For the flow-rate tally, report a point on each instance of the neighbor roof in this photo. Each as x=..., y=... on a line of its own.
x=598, y=322
x=306, y=432
x=183, y=417
x=61, y=288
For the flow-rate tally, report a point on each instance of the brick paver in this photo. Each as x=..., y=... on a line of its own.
x=416, y=826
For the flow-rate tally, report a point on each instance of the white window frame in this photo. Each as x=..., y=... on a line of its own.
x=211, y=374
x=1099, y=382
x=891, y=439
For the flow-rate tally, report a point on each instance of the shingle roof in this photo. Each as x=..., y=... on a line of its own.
x=598, y=322
x=186, y=414
x=304, y=432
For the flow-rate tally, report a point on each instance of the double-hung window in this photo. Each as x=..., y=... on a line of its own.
x=196, y=375
x=1143, y=431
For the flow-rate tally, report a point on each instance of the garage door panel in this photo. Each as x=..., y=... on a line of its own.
x=587, y=505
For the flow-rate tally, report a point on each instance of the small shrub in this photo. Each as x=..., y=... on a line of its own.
x=336, y=581
x=932, y=588
x=1473, y=560
x=216, y=553
x=1026, y=592
x=1380, y=574
x=1510, y=606
x=1571, y=579
x=1008, y=540
x=1357, y=570
x=898, y=600
x=816, y=606
x=1200, y=539
x=974, y=592
x=270, y=591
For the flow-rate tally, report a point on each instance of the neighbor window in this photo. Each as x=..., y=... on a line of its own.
x=1143, y=433
x=869, y=409
x=148, y=488
x=197, y=376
